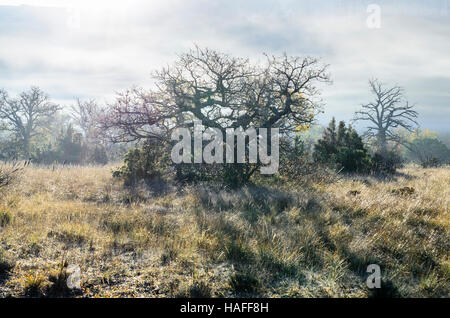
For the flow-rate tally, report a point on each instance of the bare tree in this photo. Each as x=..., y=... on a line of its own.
x=222, y=92
x=27, y=113
x=85, y=114
x=389, y=111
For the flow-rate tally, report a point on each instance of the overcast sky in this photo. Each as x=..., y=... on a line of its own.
x=90, y=49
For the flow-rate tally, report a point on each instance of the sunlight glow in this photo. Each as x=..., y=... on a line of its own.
x=81, y=4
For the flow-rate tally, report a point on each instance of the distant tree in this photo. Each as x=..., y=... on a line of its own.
x=389, y=111
x=84, y=114
x=445, y=138
x=9, y=147
x=99, y=155
x=428, y=151
x=69, y=146
x=26, y=114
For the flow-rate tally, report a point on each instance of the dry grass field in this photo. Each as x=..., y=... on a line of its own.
x=271, y=241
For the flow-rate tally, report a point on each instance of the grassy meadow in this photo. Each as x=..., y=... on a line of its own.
x=272, y=239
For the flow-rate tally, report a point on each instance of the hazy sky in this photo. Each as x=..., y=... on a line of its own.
x=90, y=49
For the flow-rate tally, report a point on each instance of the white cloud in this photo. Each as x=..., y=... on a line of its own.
x=115, y=46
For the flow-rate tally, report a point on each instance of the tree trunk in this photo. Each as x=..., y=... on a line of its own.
x=26, y=147
x=382, y=146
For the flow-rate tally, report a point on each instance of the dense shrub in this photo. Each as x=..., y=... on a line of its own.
x=148, y=163
x=386, y=163
x=342, y=148
x=296, y=164
x=152, y=162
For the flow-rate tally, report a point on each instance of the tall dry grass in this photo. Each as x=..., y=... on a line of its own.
x=266, y=240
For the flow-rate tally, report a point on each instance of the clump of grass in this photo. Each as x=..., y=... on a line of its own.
x=432, y=285
x=5, y=218
x=118, y=226
x=71, y=233
x=198, y=289
x=169, y=254
x=58, y=279
x=5, y=264
x=278, y=265
x=8, y=173
x=244, y=283
x=388, y=290
x=237, y=251
x=34, y=284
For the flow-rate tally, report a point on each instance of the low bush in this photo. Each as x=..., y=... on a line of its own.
x=386, y=163
x=149, y=163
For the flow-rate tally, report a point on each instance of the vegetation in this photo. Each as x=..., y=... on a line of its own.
x=222, y=92
x=270, y=239
x=26, y=114
x=8, y=174
x=388, y=112
x=427, y=150
x=147, y=226
x=344, y=148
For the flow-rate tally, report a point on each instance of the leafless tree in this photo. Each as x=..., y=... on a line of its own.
x=27, y=113
x=85, y=114
x=222, y=92
x=389, y=111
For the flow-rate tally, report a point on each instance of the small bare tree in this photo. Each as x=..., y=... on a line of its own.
x=27, y=113
x=389, y=111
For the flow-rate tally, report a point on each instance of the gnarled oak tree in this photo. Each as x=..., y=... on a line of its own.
x=222, y=92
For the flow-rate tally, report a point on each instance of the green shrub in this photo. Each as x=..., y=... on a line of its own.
x=386, y=163
x=149, y=163
x=342, y=148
